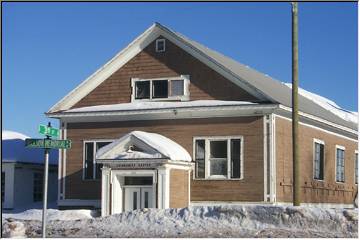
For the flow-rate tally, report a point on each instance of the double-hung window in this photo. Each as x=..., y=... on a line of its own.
x=172, y=88
x=356, y=167
x=340, y=164
x=218, y=157
x=92, y=170
x=318, y=159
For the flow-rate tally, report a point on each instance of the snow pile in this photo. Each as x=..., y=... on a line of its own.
x=52, y=214
x=136, y=155
x=158, y=105
x=210, y=221
x=14, y=229
x=163, y=145
x=14, y=150
x=328, y=105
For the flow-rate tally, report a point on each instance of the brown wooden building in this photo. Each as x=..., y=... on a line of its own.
x=222, y=133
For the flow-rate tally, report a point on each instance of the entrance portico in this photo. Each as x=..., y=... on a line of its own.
x=138, y=170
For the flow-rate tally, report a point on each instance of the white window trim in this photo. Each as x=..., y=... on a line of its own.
x=185, y=97
x=207, y=154
x=323, y=143
x=356, y=152
x=156, y=44
x=341, y=148
x=94, y=162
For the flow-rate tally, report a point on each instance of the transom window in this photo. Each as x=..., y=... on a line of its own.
x=340, y=164
x=318, y=159
x=175, y=88
x=218, y=157
x=91, y=169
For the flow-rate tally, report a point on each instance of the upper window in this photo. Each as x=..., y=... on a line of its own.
x=174, y=88
x=92, y=170
x=318, y=160
x=340, y=164
x=218, y=158
x=356, y=167
x=160, y=45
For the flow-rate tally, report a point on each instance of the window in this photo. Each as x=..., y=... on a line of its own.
x=218, y=158
x=356, y=167
x=92, y=170
x=38, y=187
x=173, y=88
x=160, y=45
x=2, y=186
x=318, y=159
x=340, y=164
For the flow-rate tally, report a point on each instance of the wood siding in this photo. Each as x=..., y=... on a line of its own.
x=179, y=188
x=205, y=82
x=181, y=131
x=313, y=191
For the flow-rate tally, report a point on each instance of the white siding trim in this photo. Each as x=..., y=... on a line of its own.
x=265, y=139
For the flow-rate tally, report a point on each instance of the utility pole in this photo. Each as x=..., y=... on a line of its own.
x=295, y=106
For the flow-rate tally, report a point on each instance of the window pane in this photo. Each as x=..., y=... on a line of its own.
x=89, y=158
x=160, y=89
x=177, y=87
x=146, y=204
x=142, y=90
x=37, y=187
x=218, y=167
x=138, y=180
x=200, y=158
x=218, y=149
x=99, y=165
x=340, y=172
x=235, y=158
x=134, y=200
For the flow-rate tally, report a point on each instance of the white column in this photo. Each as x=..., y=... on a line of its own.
x=105, y=189
x=163, y=188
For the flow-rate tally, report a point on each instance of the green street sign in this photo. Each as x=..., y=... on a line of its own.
x=47, y=143
x=49, y=131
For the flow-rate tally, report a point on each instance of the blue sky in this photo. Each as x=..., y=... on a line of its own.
x=50, y=48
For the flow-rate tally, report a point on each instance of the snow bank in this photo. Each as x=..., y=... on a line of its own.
x=210, y=221
x=14, y=150
x=158, y=105
x=328, y=105
x=163, y=145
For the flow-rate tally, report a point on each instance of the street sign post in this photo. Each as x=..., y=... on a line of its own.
x=47, y=144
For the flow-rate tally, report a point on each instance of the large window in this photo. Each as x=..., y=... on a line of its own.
x=92, y=170
x=2, y=186
x=38, y=182
x=356, y=167
x=318, y=160
x=218, y=157
x=175, y=88
x=340, y=164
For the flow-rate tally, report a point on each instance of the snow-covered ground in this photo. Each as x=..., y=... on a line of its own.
x=199, y=221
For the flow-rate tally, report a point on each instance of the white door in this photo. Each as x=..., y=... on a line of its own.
x=138, y=197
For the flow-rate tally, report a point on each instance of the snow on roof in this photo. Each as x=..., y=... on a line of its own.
x=158, y=105
x=163, y=145
x=14, y=150
x=328, y=105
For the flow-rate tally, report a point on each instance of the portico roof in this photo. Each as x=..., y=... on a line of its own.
x=143, y=145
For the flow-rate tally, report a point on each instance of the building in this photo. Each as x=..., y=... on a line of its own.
x=165, y=90
x=22, y=173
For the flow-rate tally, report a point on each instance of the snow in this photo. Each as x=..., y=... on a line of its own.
x=134, y=155
x=163, y=145
x=207, y=221
x=158, y=105
x=328, y=105
x=14, y=150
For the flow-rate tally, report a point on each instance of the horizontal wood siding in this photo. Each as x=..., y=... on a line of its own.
x=313, y=191
x=179, y=188
x=205, y=82
x=182, y=132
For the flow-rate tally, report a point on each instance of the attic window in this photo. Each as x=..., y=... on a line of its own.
x=160, y=45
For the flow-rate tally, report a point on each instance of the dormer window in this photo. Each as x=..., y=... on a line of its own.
x=160, y=45
x=174, y=88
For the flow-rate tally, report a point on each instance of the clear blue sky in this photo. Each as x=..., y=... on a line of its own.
x=50, y=48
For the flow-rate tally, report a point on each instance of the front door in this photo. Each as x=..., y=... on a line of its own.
x=138, y=197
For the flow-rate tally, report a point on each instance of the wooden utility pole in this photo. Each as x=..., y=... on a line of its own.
x=295, y=107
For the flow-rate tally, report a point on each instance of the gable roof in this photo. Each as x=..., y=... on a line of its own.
x=258, y=84
x=153, y=146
